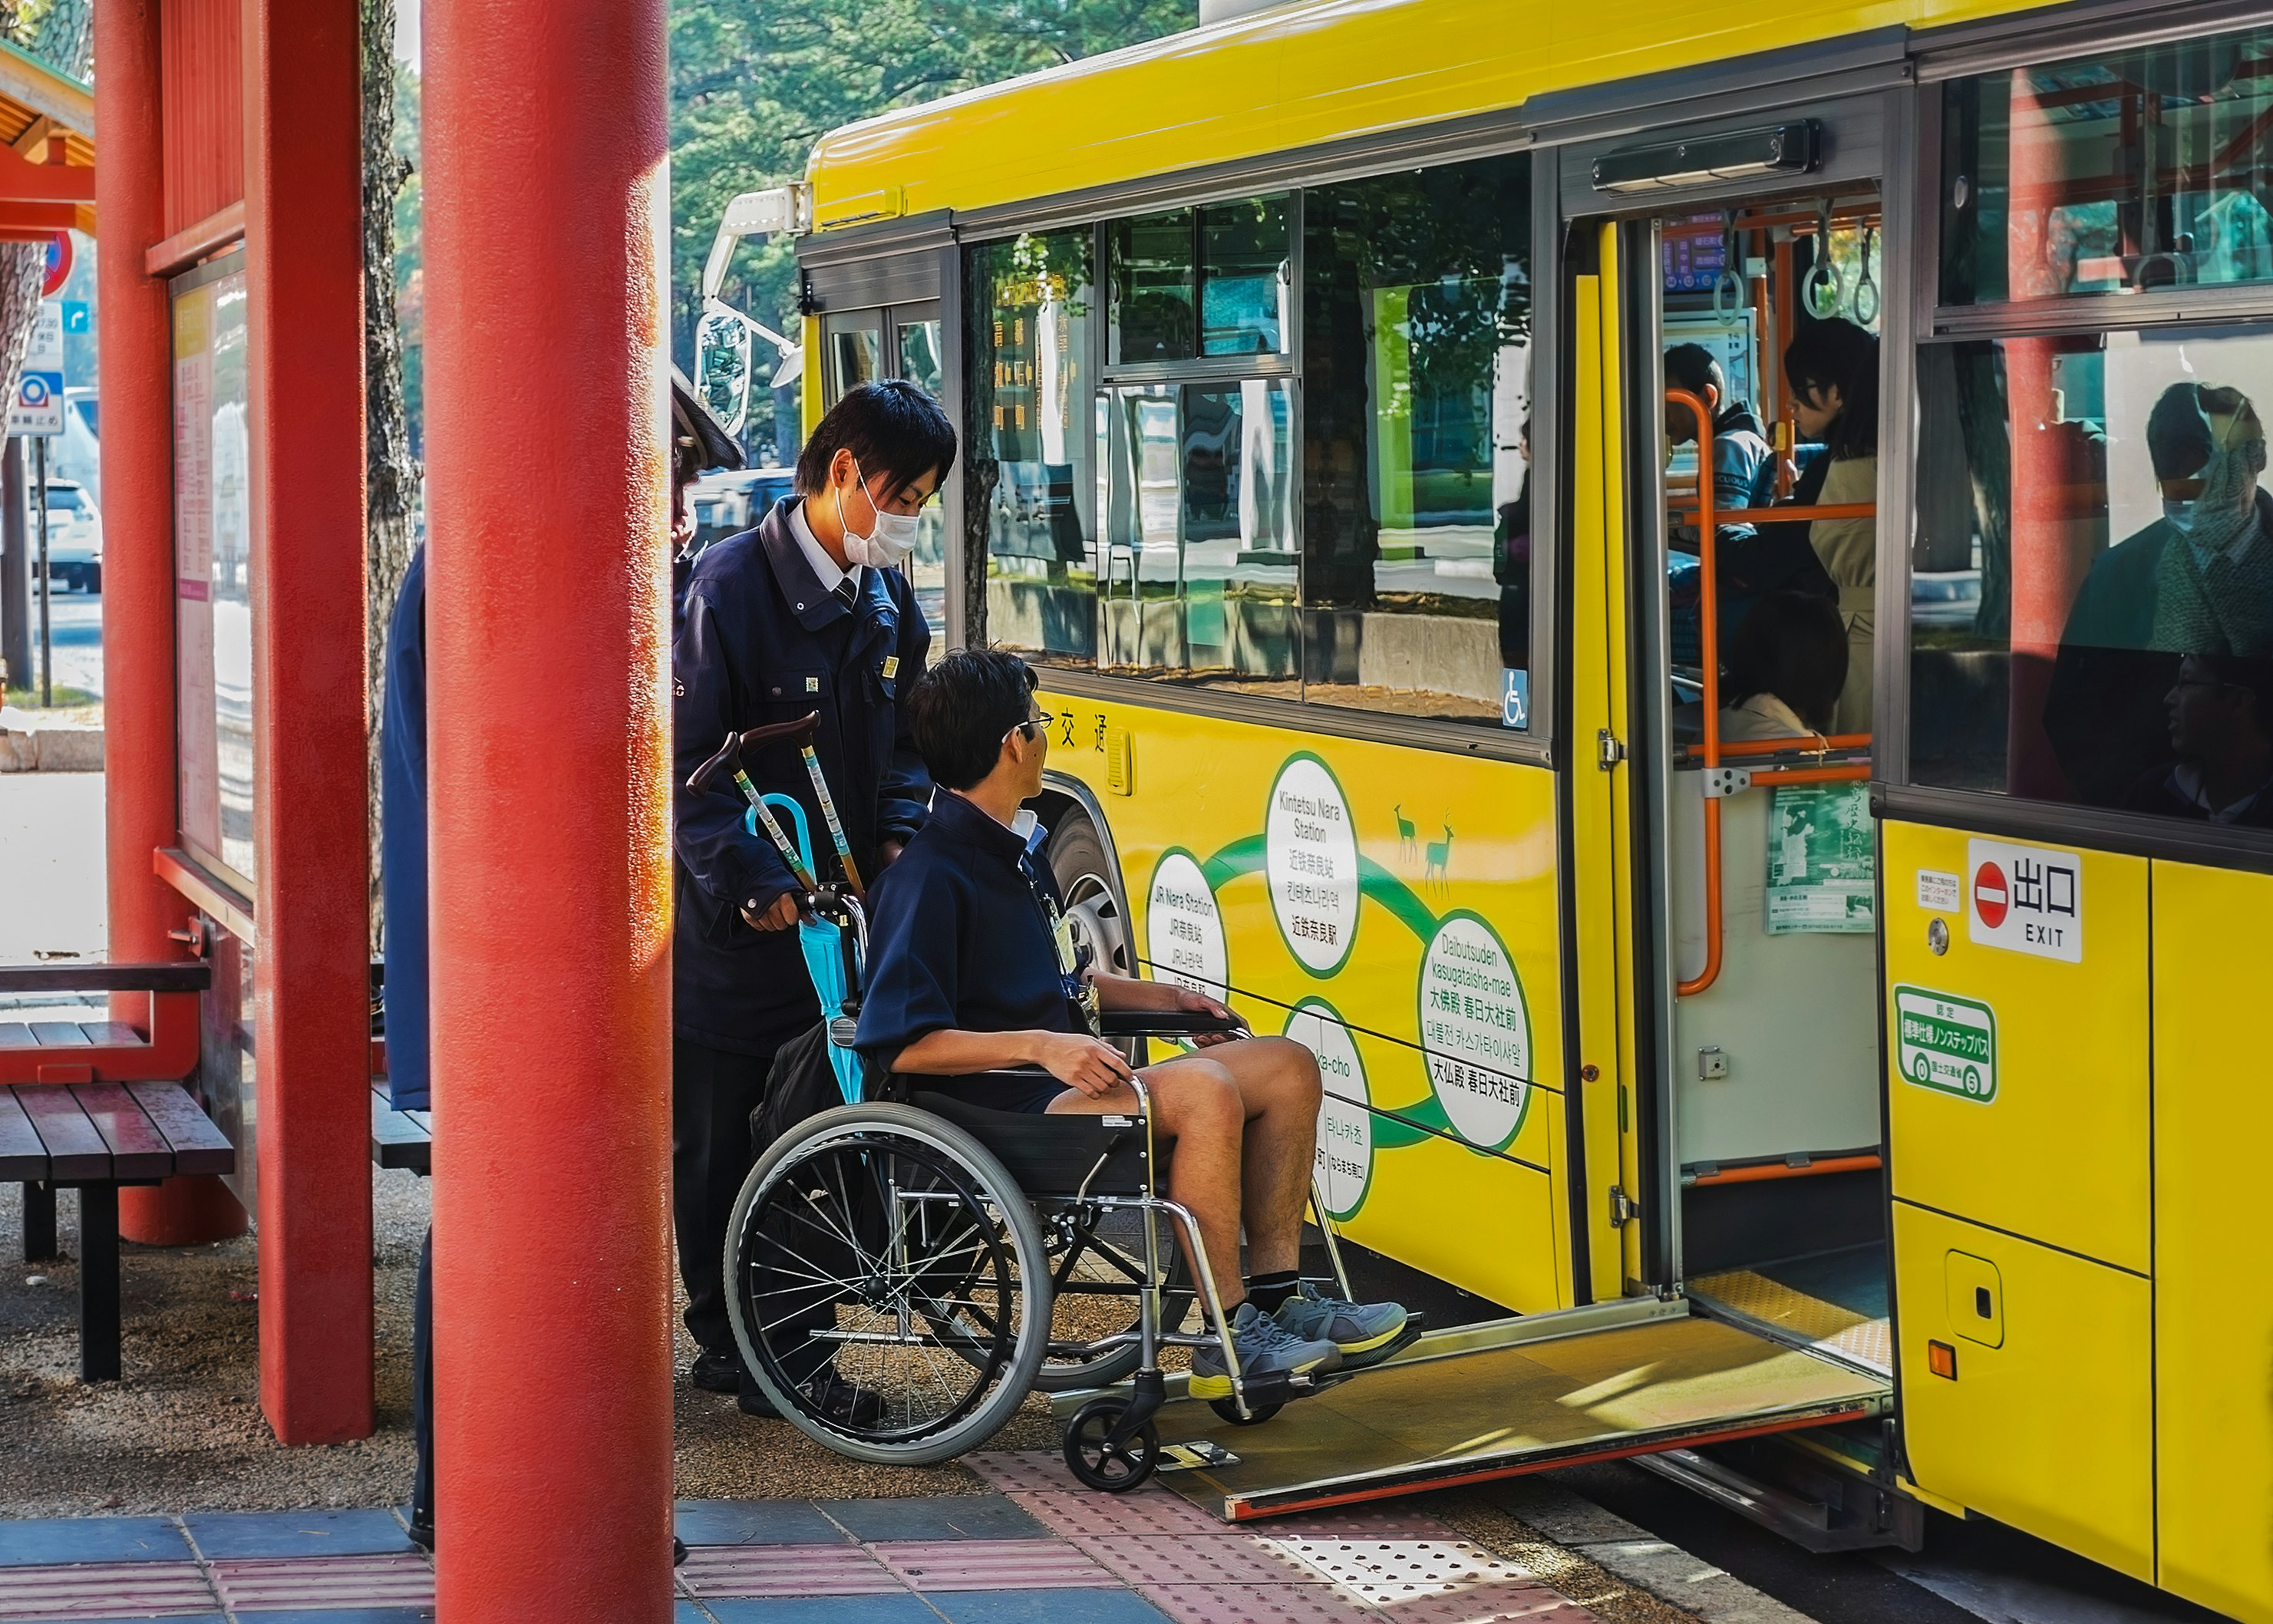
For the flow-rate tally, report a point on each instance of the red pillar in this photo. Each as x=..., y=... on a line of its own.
x=311, y=1031
x=548, y=764
x=138, y=564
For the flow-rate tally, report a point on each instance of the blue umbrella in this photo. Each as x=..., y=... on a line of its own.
x=824, y=953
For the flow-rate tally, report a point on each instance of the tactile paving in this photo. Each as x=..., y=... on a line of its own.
x=992, y=1565
x=106, y=1590
x=784, y=1570
x=252, y=1583
x=1255, y=1604
x=1024, y=1469
x=1378, y=1520
x=1171, y=1559
x=1391, y=1572
x=1085, y=1511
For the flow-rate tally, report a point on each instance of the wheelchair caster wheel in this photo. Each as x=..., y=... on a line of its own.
x=1256, y=1416
x=1098, y=1463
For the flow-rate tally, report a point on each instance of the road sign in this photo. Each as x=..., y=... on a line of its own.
x=60, y=265
x=37, y=408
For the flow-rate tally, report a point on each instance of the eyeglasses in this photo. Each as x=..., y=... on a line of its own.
x=1041, y=718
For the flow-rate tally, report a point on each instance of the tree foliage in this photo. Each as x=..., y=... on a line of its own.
x=753, y=87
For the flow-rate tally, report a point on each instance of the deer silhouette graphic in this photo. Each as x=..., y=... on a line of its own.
x=1439, y=852
x=1405, y=842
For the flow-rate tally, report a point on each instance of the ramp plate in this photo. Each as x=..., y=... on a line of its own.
x=1501, y=1411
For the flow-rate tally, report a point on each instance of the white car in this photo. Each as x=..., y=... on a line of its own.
x=74, y=536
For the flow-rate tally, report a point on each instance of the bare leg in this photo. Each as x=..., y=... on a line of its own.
x=1195, y=1102
x=1278, y=1083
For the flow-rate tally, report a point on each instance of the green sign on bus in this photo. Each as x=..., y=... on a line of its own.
x=1944, y=1041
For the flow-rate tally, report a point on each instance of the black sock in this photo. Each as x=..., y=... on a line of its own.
x=1267, y=1291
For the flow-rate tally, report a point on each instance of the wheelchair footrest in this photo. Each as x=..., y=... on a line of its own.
x=1352, y=1364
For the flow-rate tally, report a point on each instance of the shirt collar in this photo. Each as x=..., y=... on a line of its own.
x=961, y=819
x=824, y=567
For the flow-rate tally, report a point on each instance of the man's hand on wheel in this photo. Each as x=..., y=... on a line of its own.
x=780, y=916
x=1200, y=1003
x=1080, y=1061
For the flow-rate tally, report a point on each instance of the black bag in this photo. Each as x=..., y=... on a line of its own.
x=801, y=1083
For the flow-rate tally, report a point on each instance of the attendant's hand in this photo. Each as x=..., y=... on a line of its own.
x=888, y=851
x=1200, y=1003
x=780, y=916
x=1080, y=1061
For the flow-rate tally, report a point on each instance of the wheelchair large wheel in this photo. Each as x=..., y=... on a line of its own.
x=881, y=1272
x=1096, y=1277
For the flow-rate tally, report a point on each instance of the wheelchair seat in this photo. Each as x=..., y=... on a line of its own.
x=1057, y=1154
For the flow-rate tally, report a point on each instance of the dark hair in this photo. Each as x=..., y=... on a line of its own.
x=2178, y=441
x=1793, y=645
x=1691, y=367
x=959, y=710
x=1837, y=354
x=2253, y=676
x=891, y=428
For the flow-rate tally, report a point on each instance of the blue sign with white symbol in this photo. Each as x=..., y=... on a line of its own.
x=75, y=315
x=1514, y=698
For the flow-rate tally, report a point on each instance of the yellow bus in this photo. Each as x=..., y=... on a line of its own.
x=1845, y=1083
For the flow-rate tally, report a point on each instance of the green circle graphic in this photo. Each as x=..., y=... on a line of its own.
x=1357, y=910
x=1523, y=1003
x=1326, y=1011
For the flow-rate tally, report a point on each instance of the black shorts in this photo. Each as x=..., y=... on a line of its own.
x=995, y=1092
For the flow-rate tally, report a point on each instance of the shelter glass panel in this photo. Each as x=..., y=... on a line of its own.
x=1416, y=510
x=2110, y=175
x=2118, y=648
x=213, y=569
x=1030, y=489
x=1196, y=481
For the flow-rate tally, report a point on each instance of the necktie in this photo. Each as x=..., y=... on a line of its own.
x=847, y=593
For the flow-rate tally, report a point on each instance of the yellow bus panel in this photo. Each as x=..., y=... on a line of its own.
x=1397, y=910
x=2213, y=1319
x=2045, y=1134
x=2046, y=1421
x=1290, y=77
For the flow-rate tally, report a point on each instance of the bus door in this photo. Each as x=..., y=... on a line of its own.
x=1645, y=1367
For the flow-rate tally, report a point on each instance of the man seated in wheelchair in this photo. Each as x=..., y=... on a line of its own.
x=972, y=969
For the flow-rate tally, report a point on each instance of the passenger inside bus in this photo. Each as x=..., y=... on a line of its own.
x=2221, y=730
x=2146, y=599
x=1833, y=368
x=1781, y=673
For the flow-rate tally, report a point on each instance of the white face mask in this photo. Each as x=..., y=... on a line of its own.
x=891, y=539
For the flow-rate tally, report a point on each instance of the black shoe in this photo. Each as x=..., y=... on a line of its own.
x=678, y=1551
x=836, y=1399
x=752, y=1400
x=422, y=1532
x=716, y=1373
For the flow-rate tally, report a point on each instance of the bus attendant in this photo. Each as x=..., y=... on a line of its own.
x=808, y=612
x=1832, y=368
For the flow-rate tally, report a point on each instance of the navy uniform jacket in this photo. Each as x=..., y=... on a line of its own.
x=957, y=938
x=763, y=643
x=403, y=841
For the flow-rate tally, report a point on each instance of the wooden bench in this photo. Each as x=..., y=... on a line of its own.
x=95, y=1105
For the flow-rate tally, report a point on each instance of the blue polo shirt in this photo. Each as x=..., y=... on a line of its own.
x=957, y=938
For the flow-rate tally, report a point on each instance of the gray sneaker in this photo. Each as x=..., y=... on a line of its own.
x=1355, y=1329
x=1265, y=1347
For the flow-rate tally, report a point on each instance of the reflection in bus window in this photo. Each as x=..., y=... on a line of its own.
x=2124, y=551
x=1031, y=490
x=2115, y=173
x=1416, y=531
x=917, y=347
x=1243, y=277
x=1210, y=281
x=1196, y=484
x=856, y=352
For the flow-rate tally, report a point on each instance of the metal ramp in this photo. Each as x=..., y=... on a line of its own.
x=1518, y=1395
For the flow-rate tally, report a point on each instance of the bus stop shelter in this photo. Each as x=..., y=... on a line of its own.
x=229, y=215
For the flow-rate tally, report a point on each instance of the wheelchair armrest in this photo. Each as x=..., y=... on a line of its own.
x=1163, y=1023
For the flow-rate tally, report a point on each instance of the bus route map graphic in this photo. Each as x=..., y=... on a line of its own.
x=1473, y=1025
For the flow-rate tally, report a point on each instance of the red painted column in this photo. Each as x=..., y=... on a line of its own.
x=548, y=762
x=137, y=563
x=311, y=1031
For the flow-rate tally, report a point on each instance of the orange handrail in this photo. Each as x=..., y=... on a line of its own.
x=1814, y=744
x=1708, y=628
x=1761, y=1171
x=1840, y=772
x=1793, y=513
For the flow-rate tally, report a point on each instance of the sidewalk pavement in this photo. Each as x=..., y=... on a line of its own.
x=1039, y=1549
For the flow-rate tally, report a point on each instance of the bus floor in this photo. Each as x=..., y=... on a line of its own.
x=1833, y=1301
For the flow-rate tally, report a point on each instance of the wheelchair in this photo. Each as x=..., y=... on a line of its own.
x=942, y=1260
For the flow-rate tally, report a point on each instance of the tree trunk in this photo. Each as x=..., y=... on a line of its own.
x=393, y=480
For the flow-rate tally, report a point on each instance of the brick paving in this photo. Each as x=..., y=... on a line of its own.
x=1039, y=1550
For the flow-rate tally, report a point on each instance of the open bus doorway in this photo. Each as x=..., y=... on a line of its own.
x=1766, y=317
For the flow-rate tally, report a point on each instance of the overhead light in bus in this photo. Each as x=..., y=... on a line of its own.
x=1776, y=149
